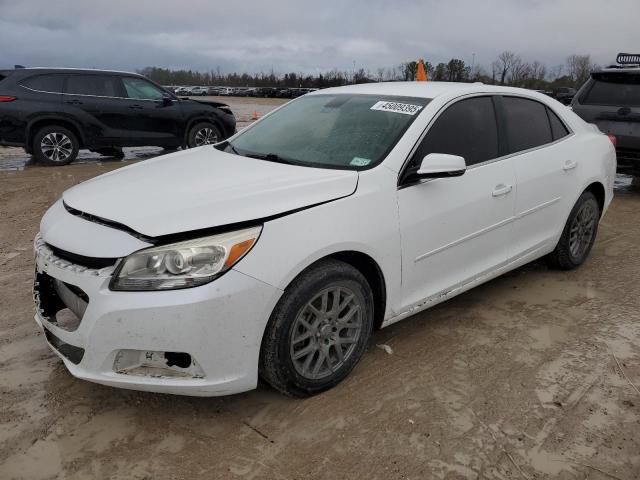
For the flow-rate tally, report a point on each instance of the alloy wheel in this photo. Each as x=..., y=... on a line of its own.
x=326, y=332
x=206, y=136
x=56, y=146
x=582, y=229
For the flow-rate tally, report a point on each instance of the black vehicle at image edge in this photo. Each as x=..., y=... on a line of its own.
x=53, y=113
x=610, y=99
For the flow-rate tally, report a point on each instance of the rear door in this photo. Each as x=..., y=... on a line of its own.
x=544, y=166
x=456, y=229
x=96, y=101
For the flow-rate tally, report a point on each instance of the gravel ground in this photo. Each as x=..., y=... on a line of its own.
x=530, y=376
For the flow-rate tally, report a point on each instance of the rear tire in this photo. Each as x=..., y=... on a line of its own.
x=579, y=234
x=319, y=330
x=55, y=145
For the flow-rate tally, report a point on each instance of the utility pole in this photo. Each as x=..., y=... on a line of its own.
x=473, y=64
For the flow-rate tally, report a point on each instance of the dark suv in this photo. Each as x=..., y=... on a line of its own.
x=53, y=113
x=611, y=100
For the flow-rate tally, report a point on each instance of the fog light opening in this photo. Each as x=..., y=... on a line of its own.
x=178, y=359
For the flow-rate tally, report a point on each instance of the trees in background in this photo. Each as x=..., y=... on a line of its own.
x=507, y=69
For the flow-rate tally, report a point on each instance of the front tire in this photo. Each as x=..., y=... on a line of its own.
x=54, y=145
x=203, y=133
x=579, y=234
x=319, y=330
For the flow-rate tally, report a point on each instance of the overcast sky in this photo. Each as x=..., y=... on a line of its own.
x=302, y=36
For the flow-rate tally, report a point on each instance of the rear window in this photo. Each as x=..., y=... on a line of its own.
x=44, y=83
x=98, y=85
x=621, y=90
x=527, y=123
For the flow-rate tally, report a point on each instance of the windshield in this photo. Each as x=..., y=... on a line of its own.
x=331, y=131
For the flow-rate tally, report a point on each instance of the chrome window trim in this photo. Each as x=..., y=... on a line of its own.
x=492, y=160
x=94, y=96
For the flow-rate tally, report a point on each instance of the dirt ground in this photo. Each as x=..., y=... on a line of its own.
x=530, y=376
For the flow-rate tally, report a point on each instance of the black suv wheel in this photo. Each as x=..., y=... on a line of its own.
x=55, y=145
x=203, y=133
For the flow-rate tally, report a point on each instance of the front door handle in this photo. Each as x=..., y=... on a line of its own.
x=501, y=190
x=136, y=107
x=74, y=102
x=570, y=165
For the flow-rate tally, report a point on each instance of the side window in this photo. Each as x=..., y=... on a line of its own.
x=141, y=89
x=44, y=83
x=557, y=127
x=467, y=128
x=98, y=85
x=527, y=123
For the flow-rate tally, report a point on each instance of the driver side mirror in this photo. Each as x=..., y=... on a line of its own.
x=167, y=98
x=441, y=165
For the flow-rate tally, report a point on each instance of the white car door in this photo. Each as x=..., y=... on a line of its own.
x=455, y=229
x=543, y=167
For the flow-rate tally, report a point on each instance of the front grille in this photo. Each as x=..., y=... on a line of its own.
x=628, y=154
x=59, y=303
x=89, y=262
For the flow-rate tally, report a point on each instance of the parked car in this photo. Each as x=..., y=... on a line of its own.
x=53, y=113
x=611, y=100
x=226, y=91
x=213, y=91
x=200, y=91
x=564, y=94
x=283, y=93
x=275, y=257
x=185, y=91
x=265, y=92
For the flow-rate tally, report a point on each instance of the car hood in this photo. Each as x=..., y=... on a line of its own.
x=202, y=188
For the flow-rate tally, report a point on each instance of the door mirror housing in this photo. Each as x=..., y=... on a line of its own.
x=167, y=98
x=441, y=165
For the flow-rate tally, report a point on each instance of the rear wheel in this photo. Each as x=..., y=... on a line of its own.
x=318, y=331
x=579, y=234
x=203, y=133
x=55, y=145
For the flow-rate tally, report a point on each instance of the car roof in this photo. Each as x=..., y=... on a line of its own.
x=425, y=89
x=70, y=70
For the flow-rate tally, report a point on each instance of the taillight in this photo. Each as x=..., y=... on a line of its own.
x=6, y=99
x=613, y=139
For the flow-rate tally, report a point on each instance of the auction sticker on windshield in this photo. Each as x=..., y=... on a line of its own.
x=397, y=107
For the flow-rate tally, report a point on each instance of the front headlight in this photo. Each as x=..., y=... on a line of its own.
x=184, y=264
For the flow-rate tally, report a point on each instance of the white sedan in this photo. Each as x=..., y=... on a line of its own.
x=276, y=253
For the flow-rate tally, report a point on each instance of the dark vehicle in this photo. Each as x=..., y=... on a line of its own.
x=53, y=113
x=283, y=93
x=611, y=100
x=564, y=94
x=266, y=92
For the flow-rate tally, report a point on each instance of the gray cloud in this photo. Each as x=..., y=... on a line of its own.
x=289, y=35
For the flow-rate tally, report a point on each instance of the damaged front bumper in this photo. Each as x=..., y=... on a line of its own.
x=201, y=341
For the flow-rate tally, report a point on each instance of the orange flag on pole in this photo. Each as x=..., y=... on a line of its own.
x=421, y=74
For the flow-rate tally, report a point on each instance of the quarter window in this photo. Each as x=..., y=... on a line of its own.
x=557, y=127
x=97, y=85
x=45, y=83
x=467, y=128
x=140, y=89
x=527, y=123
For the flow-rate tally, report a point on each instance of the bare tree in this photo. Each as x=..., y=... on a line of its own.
x=506, y=61
x=579, y=68
x=495, y=70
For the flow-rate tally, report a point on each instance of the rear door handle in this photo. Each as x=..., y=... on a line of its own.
x=74, y=102
x=570, y=165
x=501, y=189
x=136, y=107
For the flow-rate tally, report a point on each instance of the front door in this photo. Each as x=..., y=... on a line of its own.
x=455, y=229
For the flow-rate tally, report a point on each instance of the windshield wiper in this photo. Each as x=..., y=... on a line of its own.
x=271, y=157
